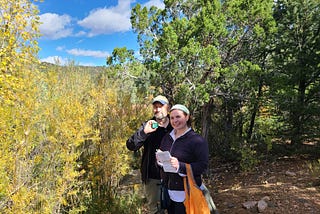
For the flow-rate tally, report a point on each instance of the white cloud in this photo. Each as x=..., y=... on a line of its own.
x=108, y=20
x=90, y=53
x=157, y=3
x=60, y=48
x=80, y=33
x=55, y=26
x=55, y=60
x=99, y=21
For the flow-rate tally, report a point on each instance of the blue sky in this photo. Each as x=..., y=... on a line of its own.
x=86, y=31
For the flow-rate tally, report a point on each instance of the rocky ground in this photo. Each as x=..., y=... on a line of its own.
x=286, y=185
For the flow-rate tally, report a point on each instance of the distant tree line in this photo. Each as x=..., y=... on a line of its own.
x=249, y=70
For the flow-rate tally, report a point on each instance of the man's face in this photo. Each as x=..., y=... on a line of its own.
x=160, y=111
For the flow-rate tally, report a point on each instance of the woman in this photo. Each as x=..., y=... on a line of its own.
x=185, y=146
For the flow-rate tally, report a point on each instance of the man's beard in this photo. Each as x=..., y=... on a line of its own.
x=159, y=116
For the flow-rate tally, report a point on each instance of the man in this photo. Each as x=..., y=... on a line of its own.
x=149, y=136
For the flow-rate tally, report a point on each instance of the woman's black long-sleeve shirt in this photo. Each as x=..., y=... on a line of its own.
x=189, y=148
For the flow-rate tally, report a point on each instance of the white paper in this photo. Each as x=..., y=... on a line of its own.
x=163, y=159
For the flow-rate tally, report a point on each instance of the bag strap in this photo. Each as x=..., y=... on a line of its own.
x=191, y=180
x=186, y=182
x=186, y=187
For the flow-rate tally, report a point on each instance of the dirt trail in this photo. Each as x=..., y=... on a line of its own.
x=287, y=184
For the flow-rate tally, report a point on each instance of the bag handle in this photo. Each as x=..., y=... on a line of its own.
x=189, y=180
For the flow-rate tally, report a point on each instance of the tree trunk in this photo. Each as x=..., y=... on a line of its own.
x=206, y=118
x=255, y=111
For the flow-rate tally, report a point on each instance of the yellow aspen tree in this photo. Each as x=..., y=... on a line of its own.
x=18, y=76
x=67, y=112
x=107, y=160
x=45, y=120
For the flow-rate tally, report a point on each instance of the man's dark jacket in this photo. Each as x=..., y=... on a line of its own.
x=150, y=142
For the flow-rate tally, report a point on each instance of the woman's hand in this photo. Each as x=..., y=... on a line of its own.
x=174, y=162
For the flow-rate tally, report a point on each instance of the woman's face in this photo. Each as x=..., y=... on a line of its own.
x=178, y=119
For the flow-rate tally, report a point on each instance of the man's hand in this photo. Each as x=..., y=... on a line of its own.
x=148, y=127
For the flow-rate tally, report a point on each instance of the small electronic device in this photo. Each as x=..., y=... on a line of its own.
x=154, y=125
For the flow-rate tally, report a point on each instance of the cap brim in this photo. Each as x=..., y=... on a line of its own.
x=159, y=101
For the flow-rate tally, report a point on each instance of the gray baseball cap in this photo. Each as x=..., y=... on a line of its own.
x=161, y=99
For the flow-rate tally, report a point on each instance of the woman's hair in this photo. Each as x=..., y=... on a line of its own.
x=189, y=122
